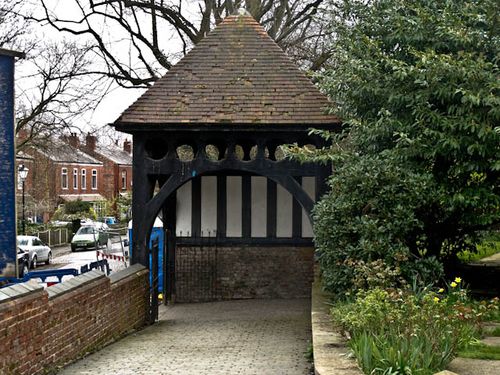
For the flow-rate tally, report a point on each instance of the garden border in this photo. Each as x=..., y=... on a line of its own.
x=329, y=347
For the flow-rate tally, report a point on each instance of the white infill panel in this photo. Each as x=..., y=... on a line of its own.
x=259, y=207
x=209, y=206
x=184, y=204
x=233, y=213
x=284, y=206
x=309, y=186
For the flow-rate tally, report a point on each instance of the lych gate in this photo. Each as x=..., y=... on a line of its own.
x=207, y=158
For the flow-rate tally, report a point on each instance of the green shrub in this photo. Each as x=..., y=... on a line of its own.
x=396, y=331
x=416, y=165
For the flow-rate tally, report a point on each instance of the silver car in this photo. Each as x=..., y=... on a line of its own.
x=37, y=250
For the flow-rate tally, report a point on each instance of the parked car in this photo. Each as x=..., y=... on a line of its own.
x=37, y=250
x=23, y=262
x=90, y=237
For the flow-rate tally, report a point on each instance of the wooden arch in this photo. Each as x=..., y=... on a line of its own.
x=171, y=173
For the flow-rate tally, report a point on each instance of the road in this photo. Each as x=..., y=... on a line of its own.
x=62, y=257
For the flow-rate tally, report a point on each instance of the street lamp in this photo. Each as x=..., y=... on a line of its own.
x=23, y=174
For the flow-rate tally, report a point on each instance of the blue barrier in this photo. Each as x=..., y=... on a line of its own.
x=43, y=275
x=102, y=265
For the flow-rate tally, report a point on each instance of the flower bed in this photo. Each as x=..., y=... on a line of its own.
x=410, y=331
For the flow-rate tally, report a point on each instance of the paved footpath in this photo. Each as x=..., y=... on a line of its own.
x=262, y=337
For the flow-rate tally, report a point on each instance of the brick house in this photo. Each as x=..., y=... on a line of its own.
x=117, y=164
x=62, y=173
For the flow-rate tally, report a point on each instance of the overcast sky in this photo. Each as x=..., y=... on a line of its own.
x=118, y=98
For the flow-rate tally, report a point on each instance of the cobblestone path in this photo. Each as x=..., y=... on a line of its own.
x=261, y=337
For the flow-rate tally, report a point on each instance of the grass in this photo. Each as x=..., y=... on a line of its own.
x=495, y=332
x=480, y=351
x=490, y=246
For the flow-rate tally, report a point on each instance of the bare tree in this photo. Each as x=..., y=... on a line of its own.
x=147, y=30
x=57, y=90
x=55, y=85
x=11, y=27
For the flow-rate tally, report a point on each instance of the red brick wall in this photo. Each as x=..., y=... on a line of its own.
x=128, y=172
x=38, y=333
x=101, y=179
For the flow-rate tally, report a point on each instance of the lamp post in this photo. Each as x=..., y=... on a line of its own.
x=23, y=174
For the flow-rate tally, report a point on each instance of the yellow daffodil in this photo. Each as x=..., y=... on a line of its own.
x=436, y=299
x=458, y=280
x=441, y=290
x=453, y=284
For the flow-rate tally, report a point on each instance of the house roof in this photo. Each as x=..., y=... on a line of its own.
x=237, y=74
x=115, y=154
x=62, y=152
x=82, y=197
x=23, y=156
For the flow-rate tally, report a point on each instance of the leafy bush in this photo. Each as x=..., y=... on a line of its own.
x=75, y=210
x=417, y=165
x=396, y=331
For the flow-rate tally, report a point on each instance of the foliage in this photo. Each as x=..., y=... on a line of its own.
x=123, y=206
x=75, y=210
x=417, y=165
x=77, y=206
x=404, y=331
x=487, y=247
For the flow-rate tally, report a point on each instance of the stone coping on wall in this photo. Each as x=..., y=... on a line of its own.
x=329, y=347
x=19, y=290
x=74, y=283
x=45, y=328
x=127, y=272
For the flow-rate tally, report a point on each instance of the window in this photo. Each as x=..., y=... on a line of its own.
x=94, y=179
x=75, y=178
x=64, y=178
x=124, y=180
x=84, y=179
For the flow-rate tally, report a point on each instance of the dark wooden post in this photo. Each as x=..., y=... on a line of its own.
x=169, y=221
x=142, y=192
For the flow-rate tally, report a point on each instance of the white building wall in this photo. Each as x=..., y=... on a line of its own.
x=284, y=204
x=184, y=207
x=259, y=206
x=309, y=185
x=209, y=206
x=233, y=201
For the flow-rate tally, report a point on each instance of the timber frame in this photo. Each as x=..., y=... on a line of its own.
x=238, y=93
x=155, y=162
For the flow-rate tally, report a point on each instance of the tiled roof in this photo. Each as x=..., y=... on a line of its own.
x=60, y=151
x=237, y=74
x=115, y=154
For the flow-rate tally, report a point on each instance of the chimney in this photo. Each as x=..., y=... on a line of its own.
x=73, y=140
x=127, y=146
x=22, y=135
x=90, y=142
